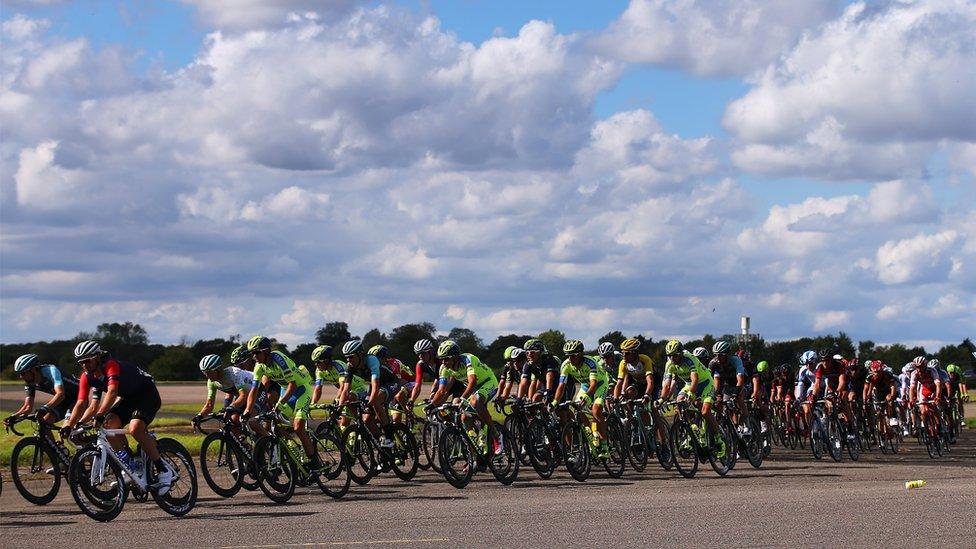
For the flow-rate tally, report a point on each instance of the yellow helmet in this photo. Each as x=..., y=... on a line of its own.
x=674, y=347
x=630, y=344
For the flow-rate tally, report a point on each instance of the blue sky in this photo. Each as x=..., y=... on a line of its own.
x=679, y=154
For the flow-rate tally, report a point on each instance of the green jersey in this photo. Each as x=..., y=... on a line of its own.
x=282, y=370
x=467, y=365
x=339, y=374
x=589, y=371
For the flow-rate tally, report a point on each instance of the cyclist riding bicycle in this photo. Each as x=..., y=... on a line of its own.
x=540, y=374
x=331, y=371
x=106, y=379
x=592, y=379
x=233, y=382
x=635, y=372
x=384, y=385
x=926, y=389
x=296, y=390
x=46, y=378
x=426, y=364
x=957, y=390
x=511, y=372
x=698, y=384
x=609, y=358
x=729, y=376
x=480, y=383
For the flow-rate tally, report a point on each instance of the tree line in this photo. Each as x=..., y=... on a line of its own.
x=178, y=362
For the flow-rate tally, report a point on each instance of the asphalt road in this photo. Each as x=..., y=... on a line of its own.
x=792, y=501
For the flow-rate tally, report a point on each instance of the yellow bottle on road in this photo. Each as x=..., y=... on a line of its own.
x=914, y=484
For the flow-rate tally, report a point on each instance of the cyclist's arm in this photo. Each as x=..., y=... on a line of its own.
x=442, y=388
x=252, y=395
x=472, y=383
x=344, y=389
x=28, y=404
x=550, y=380
x=841, y=383
x=938, y=389
x=418, y=382
x=108, y=399
x=755, y=389
x=591, y=390
x=650, y=384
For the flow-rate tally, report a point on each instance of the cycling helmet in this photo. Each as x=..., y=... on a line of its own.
x=605, y=349
x=517, y=353
x=761, y=367
x=673, y=347
x=508, y=352
x=87, y=349
x=239, y=355
x=783, y=368
x=26, y=362
x=919, y=362
x=808, y=357
x=448, y=348
x=379, y=351
x=838, y=357
x=721, y=348
x=631, y=344
x=934, y=363
x=573, y=347
x=258, y=343
x=322, y=353
x=422, y=346
x=909, y=368
x=824, y=354
x=352, y=347
x=952, y=368
x=534, y=345
x=209, y=362
x=701, y=353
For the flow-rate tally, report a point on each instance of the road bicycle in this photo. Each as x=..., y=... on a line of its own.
x=282, y=464
x=227, y=456
x=368, y=457
x=464, y=447
x=37, y=462
x=643, y=437
x=692, y=441
x=581, y=443
x=100, y=481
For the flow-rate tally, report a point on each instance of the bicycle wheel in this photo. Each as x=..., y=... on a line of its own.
x=853, y=446
x=835, y=439
x=684, y=448
x=504, y=454
x=895, y=439
x=362, y=457
x=725, y=462
x=182, y=494
x=428, y=439
x=97, y=485
x=34, y=470
x=404, y=454
x=220, y=463
x=614, y=465
x=457, y=457
x=637, y=446
x=818, y=438
x=333, y=478
x=517, y=429
x=662, y=437
x=577, y=451
x=541, y=449
x=276, y=472
x=752, y=443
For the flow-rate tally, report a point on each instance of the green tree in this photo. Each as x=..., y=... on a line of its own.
x=176, y=363
x=554, y=340
x=303, y=354
x=402, y=338
x=333, y=333
x=495, y=353
x=374, y=337
x=467, y=340
x=125, y=333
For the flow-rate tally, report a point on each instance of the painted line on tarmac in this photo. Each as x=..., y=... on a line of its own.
x=339, y=543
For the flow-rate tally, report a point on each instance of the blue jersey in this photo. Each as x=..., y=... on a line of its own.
x=50, y=380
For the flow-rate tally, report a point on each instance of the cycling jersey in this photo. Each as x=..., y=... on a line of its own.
x=50, y=380
x=589, y=372
x=926, y=378
x=637, y=371
x=511, y=373
x=339, y=374
x=131, y=380
x=727, y=372
x=232, y=381
x=683, y=369
x=283, y=370
x=855, y=376
x=804, y=382
x=371, y=367
x=883, y=382
x=424, y=368
x=539, y=370
x=399, y=369
x=904, y=384
x=831, y=370
x=468, y=364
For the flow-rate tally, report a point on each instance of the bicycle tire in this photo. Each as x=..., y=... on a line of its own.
x=362, y=456
x=40, y=482
x=504, y=465
x=615, y=464
x=96, y=503
x=224, y=458
x=276, y=472
x=333, y=479
x=637, y=445
x=457, y=457
x=684, y=446
x=835, y=439
x=541, y=449
x=577, y=451
x=403, y=457
x=818, y=438
x=182, y=495
x=752, y=443
x=429, y=441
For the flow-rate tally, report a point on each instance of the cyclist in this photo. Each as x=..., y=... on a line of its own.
x=830, y=378
x=957, y=390
x=805, y=380
x=883, y=384
x=904, y=385
x=426, y=364
x=729, y=376
x=106, y=379
x=540, y=374
x=857, y=374
x=593, y=386
x=47, y=378
x=480, y=383
x=635, y=372
x=926, y=389
x=609, y=358
x=405, y=378
x=331, y=371
x=511, y=373
x=384, y=385
x=698, y=384
x=296, y=390
x=233, y=382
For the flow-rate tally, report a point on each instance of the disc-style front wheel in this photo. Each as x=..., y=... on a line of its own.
x=541, y=449
x=34, y=470
x=404, y=454
x=97, y=485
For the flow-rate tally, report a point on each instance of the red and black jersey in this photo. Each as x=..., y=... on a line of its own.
x=883, y=381
x=830, y=370
x=130, y=379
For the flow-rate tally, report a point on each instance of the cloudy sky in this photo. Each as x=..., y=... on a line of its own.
x=651, y=166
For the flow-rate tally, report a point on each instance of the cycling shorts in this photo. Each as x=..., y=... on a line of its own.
x=599, y=396
x=704, y=391
x=298, y=404
x=143, y=405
